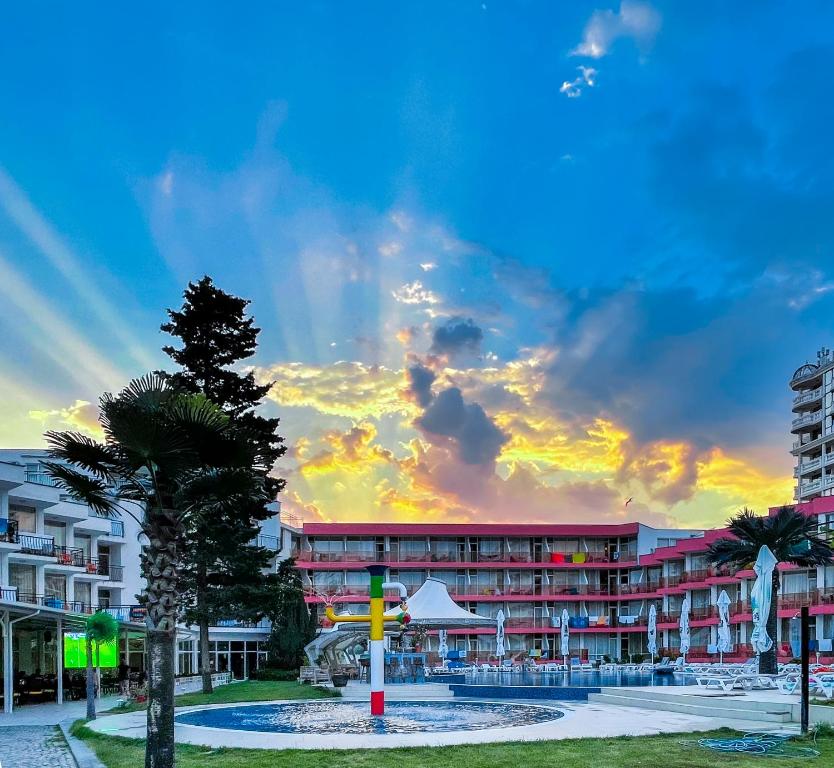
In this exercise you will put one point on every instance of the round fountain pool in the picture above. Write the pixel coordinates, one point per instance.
(352, 717)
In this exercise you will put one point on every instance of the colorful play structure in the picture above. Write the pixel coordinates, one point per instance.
(378, 620)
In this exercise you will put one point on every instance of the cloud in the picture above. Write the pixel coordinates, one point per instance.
(475, 437)
(573, 88)
(347, 389)
(455, 336)
(635, 20)
(428, 266)
(81, 416)
(415, 293)
(420, 378)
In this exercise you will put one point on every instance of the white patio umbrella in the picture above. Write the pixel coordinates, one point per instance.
(724, 641)
(683, 626)
(443, 646)
(652, 643)
(565, 634)
(499, 636)
(760, 597)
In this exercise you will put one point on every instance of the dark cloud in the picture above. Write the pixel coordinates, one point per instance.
(420, 379)
(456, 335)
(477, 439)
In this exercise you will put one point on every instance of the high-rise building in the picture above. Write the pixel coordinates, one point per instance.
(813, 425)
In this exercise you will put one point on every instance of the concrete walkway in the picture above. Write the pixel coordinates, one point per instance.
(580, 720)
(34, 746)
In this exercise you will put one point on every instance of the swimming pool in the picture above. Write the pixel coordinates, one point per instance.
(575, 679)
(352, 717)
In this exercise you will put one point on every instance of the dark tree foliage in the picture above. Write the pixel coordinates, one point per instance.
(223, 573)
(293, 624)
(792, 537)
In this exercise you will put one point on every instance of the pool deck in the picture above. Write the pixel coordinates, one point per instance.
(580, 720)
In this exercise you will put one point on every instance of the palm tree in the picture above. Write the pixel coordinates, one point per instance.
(100, 628)
(792, 537)
(159, 446)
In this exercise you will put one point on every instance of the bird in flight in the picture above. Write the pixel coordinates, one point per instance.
(628, 501)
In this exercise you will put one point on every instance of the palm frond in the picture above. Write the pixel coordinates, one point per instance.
(83, 487)
(734, 552)
(100, 459)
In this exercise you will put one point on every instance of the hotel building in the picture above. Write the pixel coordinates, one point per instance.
(813, 427)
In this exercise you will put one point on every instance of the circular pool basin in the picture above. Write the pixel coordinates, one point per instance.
(352, 717)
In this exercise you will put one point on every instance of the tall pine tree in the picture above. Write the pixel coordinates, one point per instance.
(293, 624)
(222, 572)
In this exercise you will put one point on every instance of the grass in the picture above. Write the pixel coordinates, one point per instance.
(252, 690)
(669, 751)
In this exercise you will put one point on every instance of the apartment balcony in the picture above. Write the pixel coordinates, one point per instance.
(809, 375)
(807, 397)
(808, 466)
(812, 445)
(30, 544)
(815, 486)
(69, 556)
(135, 614)
(806, 422)
(39, 477)
(576, 560)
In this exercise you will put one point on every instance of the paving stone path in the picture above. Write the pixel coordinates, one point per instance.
(28, 746)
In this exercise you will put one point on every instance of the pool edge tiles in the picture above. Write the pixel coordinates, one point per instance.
(539, 692)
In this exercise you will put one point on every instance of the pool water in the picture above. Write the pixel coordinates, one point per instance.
(589, 679)
(353, 717)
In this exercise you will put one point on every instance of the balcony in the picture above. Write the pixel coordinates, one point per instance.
(272, 543)
(117, 529)
(8, 530)
(39, 477)
(807, 466)
(135, 614)
(102, 567)
(30, 544)
(802, 423)
(69, 556)
(808, 396)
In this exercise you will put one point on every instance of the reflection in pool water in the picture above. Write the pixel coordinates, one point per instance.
(353, 717)
(577, 679)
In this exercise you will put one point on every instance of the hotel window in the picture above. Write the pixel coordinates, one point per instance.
(490, 549)
(362, 549)
(328, 549)
(56, 531)
(446, 550)
(22, 577)
(24, 517)
(84, 594)
(327, 581)
(55, 587)
(564, 546)
(84, 543)
(413, 550)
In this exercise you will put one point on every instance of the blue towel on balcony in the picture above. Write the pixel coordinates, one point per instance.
(4, 526)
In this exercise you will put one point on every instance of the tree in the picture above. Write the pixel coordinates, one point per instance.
(293, 624)
(100, 628)
(159, 448)
(223, 573)
(792, 537)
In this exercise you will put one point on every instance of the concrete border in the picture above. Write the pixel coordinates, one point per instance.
(84, 756)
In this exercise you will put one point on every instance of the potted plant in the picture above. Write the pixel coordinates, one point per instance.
(339, 679)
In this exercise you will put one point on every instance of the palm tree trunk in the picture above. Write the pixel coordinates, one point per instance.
(91, 683)
(767, 661)
(205, 658)
(160, 569)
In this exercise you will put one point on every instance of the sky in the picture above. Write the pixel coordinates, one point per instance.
(513, 261)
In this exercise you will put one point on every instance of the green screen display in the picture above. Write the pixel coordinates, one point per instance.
(75, 652)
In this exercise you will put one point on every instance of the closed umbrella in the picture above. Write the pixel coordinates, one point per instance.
(760, 597)
(499, 636)
(652, 644)
(442, 647)
(683, 626)
(724, 641)
(565, 634)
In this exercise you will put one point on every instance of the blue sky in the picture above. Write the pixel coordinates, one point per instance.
(630, 202)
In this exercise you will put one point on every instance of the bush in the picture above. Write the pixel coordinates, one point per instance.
(274, 675)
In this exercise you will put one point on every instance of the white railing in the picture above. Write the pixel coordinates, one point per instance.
(808, 418)
(195, 682)
(807, 397)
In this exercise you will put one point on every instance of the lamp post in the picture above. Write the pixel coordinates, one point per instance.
(804, 639)
(376, 617)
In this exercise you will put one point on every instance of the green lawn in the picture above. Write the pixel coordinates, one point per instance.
(253, 690)
(672, 751)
